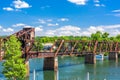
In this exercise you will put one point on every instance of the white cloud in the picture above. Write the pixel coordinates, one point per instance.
(116, 13)
(23, 25)
(77, 31)
(64, 31)
(69, 28)
(8, 9)
(50, 24)
(111, 26)
(28, 26)
(111, 29)
(38, 29)
(8, 30)
(19, 25)
(50, 33)
(0, 27)
(18, 4)
(118, 10)
(93, 29)
(78, 2)
(41, 21)
(99, 5)
(63, 19)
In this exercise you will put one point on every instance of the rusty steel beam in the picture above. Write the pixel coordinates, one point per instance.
(51, 49)
(116, 47)
(95, 47)
(73, 47)
(61, 43)
(0, 49)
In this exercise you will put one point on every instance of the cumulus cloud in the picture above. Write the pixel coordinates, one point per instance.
(50, 24)
(111, 29)
(111, 26)
(99, 5)
(8, 30)
(63, 19)
(17, 5)
(8, 9)
(93, 29)
(22, 25)
(41, 21)
(77, 31)
(19, 25)
(38, 29)
(78, 2)
(64, 31)
(20, 4)
(44, 21)
(0, 27)
(118, 10)
(69, 28)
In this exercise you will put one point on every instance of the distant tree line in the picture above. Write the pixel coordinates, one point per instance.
(94, 36)
(99, 36)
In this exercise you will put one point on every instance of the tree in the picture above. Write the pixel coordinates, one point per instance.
(96, 36)
(105, 36)
(14, 67)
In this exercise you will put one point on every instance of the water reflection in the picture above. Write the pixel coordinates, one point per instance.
(73, 68)
(50, 75)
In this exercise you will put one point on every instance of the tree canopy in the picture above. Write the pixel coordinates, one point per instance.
(14, 67)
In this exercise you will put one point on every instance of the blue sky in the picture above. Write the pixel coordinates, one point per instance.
(60, 17)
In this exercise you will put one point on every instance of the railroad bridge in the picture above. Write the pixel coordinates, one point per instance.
(62, 47)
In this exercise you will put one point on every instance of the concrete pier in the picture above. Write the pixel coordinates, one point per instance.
(113, 56)
(51, 75)
(51, 63)
(90, 58)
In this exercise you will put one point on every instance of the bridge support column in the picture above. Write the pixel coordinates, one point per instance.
(51, 63)
(113, 55)
(90, 58)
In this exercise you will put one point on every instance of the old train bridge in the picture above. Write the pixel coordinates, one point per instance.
(62, 47)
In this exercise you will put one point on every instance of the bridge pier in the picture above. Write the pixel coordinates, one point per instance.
(113, 56)
(90, 58)
(50, 63)
(51, 75)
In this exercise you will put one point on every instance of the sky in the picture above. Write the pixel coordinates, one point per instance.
(60, 17)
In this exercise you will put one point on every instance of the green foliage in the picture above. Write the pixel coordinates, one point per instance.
(105, 36)
(106, 54)
(96, 36)
(14, 67)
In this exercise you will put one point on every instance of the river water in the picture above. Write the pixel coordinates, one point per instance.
(73, 68)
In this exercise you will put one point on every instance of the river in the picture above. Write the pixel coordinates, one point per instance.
(73, 68)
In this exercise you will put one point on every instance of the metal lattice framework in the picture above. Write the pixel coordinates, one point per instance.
(60, 47)
(73, 47)
(26, 37)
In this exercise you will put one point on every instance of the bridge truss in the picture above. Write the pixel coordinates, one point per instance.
(60, 47)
